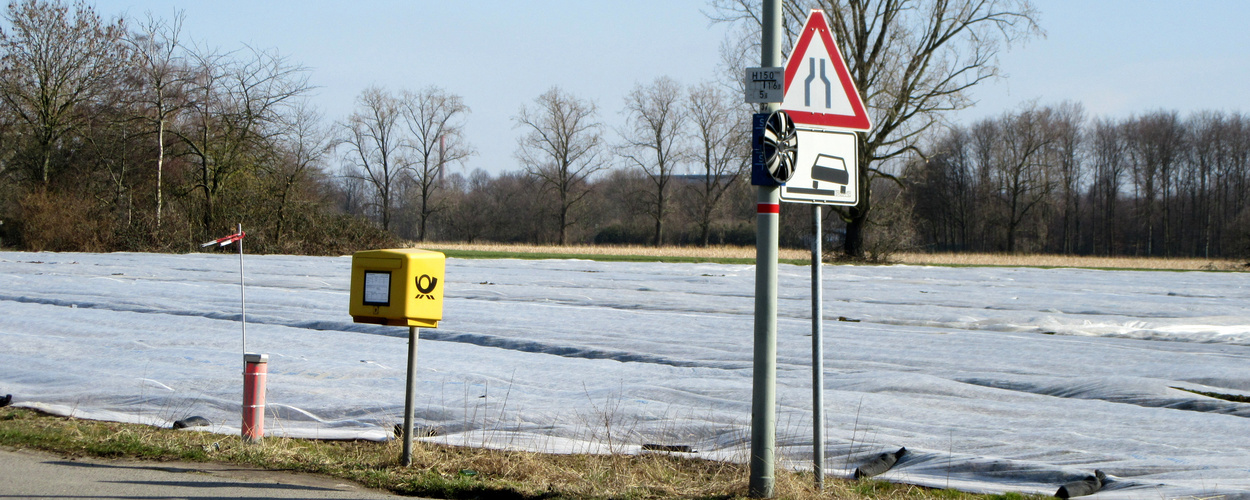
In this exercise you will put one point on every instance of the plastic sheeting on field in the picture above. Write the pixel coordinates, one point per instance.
(994, 379)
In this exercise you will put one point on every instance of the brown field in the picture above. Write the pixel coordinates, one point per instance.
(914, 258)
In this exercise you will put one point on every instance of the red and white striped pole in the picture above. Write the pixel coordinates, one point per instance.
(255, 366)
(256, 369)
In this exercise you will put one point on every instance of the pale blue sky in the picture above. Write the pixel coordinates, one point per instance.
(1116, 57)
(1130, 56)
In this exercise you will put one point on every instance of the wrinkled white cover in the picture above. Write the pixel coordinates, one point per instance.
(995, 379)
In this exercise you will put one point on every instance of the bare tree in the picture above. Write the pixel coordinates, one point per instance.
(233, 116)
(54, 64)
(943, 189)
(912, 61)
(1023, 175)
(655, 118)
(500, 208)
(435, 122)
(719, 149)
(562, 145)
(1069, 119)
(301, 151)
(373, 141)
(1232, 164)
(164, 74)
(473, 210)
(983, 137)
(1109, 167)
(1155, 144)
(108, 151)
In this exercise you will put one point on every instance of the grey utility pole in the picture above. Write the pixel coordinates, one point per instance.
(768, 208)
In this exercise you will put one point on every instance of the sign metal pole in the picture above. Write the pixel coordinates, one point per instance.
(242, 293)
(818, 354)
(826, 171)
(764, 375)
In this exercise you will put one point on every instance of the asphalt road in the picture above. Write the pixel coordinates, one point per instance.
(33, 474)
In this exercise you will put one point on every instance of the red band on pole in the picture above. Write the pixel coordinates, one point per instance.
(256, 368)
(768, 208)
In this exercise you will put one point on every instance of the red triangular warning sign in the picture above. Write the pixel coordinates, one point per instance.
(819, 90)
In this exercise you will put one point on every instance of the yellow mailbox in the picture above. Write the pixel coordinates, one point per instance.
(398, 287)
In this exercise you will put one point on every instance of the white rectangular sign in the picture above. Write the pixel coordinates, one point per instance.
(827, 171)
(764, 85)
(377, 288)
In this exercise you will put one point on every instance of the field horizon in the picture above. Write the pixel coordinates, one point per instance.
(729, 252)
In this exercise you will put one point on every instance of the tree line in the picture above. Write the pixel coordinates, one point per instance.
(1049, 179)
(121, 134)
(667, 180)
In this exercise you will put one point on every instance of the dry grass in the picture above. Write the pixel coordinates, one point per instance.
(715, 252)
(439, 471)
(915, 258)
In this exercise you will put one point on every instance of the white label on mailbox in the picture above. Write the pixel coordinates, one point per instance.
(378, 288)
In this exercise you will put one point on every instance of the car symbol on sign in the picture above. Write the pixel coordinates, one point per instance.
(831, 169)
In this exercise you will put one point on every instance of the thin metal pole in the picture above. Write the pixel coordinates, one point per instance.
(818, 355)
(409, 390)
(242, 293)
(764, 397)
(764, 374)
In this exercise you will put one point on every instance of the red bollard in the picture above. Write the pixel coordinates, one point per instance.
(256, 368)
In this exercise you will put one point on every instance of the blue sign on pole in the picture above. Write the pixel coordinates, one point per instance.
(759, 173)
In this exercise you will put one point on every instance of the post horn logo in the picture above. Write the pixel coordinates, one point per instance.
(425, 285)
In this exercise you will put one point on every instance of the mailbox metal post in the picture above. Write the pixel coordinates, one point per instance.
(410, 394)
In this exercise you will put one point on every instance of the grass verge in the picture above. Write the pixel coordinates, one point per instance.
(441, 471)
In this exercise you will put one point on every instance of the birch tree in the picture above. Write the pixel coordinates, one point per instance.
(163, 69)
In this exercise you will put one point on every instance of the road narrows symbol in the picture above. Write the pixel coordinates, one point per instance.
(807, 84)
